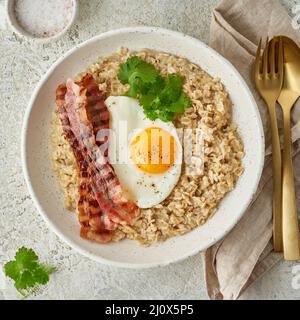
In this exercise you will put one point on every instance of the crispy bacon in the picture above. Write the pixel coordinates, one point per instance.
(102, 205)
(87, 205)
(101, 237)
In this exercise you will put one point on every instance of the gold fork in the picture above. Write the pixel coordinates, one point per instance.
(268, 74)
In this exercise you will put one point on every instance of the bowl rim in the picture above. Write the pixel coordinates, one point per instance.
(24, 132)
(23, 33)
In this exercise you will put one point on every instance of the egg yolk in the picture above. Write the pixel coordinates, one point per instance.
(154, 150)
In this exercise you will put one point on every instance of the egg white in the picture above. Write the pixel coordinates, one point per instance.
(145, 189)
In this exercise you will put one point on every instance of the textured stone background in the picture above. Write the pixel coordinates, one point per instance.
(22, 64)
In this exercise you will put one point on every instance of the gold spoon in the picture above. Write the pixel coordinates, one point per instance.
(289, 95)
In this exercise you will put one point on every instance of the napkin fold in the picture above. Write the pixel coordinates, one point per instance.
(236, 261)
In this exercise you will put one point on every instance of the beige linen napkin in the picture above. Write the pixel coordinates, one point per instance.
(235, 262)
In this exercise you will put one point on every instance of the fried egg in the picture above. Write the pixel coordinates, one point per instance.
(146, 155)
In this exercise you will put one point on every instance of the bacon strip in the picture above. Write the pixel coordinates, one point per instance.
(89, 213)
(101, 205)
(98, 115)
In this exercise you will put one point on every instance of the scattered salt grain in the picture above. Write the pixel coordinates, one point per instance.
(44, 18)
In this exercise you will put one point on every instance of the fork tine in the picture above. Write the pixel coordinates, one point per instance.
(258, 59)
(273, 56)
(281, 58)
(266, 58)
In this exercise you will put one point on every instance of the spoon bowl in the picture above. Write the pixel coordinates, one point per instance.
(291, 86)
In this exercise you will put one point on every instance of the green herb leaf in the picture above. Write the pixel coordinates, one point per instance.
(143, 71)
(173, 89)
(160, 98)
(128, 68)
(181, 104)
(147, 100)
(26, 271)
(136, 68)
(166, 116)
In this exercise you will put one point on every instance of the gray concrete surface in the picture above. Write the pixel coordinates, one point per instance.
(21, 66)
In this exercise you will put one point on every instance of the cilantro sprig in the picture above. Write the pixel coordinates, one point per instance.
(26, 271)
(160, 98)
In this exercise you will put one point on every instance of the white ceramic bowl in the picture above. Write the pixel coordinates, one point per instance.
(43, 184)
(15, 26)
